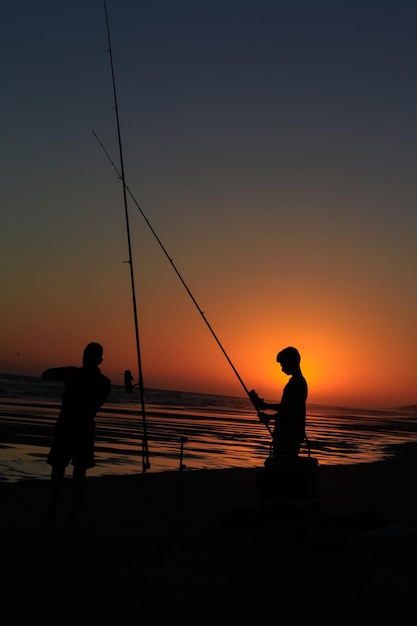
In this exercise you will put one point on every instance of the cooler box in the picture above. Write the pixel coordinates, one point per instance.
(296, 480)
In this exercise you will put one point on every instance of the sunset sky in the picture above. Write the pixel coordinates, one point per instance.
(271, 145)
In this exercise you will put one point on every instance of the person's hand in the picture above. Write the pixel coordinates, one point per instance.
(264, 418)
(257, 402)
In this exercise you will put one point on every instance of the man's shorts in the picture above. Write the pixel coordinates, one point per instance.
(72, 445)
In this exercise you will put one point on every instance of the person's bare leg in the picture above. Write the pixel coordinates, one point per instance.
(57, 474)
(78, 493)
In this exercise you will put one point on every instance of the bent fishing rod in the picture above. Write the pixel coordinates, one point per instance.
(145, 451)
(251, 394)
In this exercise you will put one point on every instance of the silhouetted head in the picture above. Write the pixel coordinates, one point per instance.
(93, 354)
(289, 358)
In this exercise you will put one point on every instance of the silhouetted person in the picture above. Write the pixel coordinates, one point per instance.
(86, 389)
(290, 414)
(128, 381)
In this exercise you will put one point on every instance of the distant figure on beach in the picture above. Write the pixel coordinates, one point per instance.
(128, 381)
(85, 390)
(290, 414)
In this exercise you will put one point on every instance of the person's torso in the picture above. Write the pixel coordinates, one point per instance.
(84, 393)
(292, 411)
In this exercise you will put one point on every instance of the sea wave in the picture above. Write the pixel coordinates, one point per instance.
(185, 429)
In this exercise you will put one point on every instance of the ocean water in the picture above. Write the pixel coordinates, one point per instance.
(185, 431)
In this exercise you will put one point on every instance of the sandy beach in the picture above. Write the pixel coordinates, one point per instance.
(198, 546)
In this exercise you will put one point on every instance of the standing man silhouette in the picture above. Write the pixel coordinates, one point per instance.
(86, 389)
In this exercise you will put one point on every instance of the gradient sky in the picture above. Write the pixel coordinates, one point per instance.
(271, 145)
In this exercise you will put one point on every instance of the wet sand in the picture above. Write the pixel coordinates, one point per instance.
(199, 546)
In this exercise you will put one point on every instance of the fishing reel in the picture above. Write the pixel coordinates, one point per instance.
(257, 402)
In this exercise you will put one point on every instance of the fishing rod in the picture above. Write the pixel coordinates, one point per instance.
(145, 451)
(251, 394)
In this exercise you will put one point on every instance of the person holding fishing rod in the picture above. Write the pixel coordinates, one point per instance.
(290, 414)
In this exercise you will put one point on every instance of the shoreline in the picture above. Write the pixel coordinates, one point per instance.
(380, 486)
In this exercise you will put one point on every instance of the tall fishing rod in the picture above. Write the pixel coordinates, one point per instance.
(145, 451)
(250, 394)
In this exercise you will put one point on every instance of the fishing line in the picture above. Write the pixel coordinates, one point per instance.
(249, 393)
(145, 451)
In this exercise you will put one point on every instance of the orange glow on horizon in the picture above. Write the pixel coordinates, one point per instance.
(174, 363)
(343, 357)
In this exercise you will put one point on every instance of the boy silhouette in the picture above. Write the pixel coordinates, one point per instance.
(290, 414)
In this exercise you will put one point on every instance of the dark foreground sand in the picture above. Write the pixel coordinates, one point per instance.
(196, 547)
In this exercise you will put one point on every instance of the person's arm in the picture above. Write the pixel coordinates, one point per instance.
(57, 373)
(270, 407)
(261, 405)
